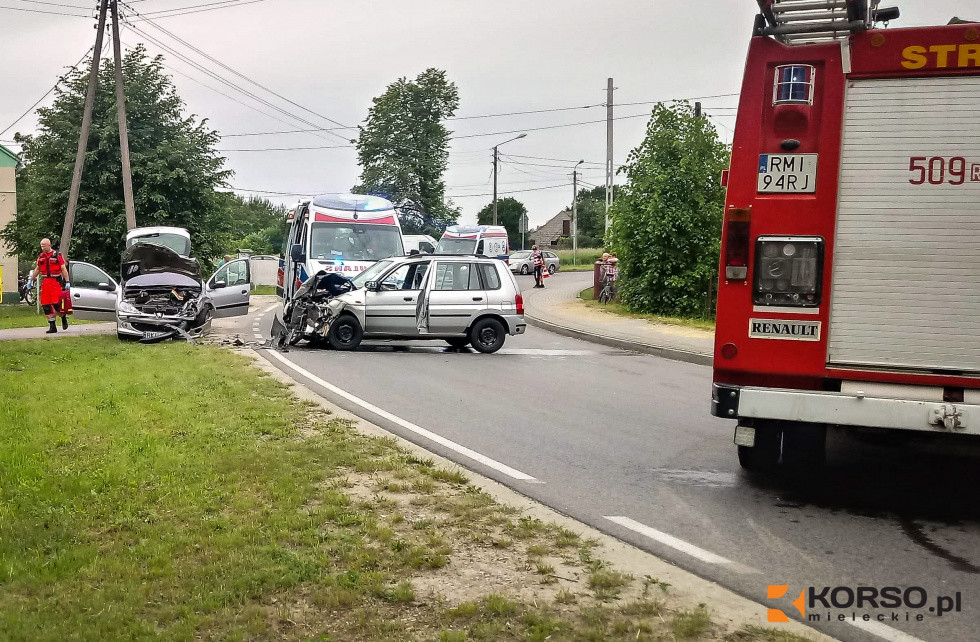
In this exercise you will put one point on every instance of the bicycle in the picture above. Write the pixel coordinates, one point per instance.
(608, 292)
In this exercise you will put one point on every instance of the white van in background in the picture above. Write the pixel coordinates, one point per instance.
(420, 243)
(342, 233)
(485, 240)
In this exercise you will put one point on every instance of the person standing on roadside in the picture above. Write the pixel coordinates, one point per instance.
(51, 276)
(537, 260)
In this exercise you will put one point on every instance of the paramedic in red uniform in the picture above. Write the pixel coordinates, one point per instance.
(51, 274)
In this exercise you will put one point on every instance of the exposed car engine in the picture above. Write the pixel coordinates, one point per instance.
(307, 315)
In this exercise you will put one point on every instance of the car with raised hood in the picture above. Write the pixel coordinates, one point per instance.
(161, 294)
(463, 300)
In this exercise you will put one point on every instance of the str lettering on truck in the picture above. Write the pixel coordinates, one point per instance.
(941, 56)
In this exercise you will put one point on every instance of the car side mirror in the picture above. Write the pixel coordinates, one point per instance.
(218, 284)
(297, 254)
(372, 286)
(106, 287)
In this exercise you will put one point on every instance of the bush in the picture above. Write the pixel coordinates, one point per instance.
(666, 224)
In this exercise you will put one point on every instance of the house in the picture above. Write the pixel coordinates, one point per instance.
(549, 233)
(8, 212)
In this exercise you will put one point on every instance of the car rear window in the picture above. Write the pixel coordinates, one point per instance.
(491, 279)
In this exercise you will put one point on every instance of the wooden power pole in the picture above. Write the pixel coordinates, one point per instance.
(76, 179)
(127, 174)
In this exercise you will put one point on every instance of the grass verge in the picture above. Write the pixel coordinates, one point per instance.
(189, 496)
(585, 258)
(263, 289)
(26, 316)
(620, 310)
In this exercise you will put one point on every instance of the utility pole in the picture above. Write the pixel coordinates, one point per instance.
(697, 110)
(127, 175)
(494, 184)
(495, 174)
(609, 148)
(76, 179)
(575, 213)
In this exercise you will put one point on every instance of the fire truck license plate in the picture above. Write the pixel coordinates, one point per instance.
(788, 173)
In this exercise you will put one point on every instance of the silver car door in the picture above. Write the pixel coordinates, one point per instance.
(230, 288)
(456, 297)
(393, 308)
(422, 315)
(93, 292)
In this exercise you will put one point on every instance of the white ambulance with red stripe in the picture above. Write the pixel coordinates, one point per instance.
(341, 233)
(485, 240)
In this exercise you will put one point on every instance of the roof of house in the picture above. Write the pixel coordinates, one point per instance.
(8, 158)
(552, 229)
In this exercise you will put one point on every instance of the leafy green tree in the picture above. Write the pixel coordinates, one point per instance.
(666, 222)
(255, 223)
(509, 213)
(592, 215)
(403, 150)
(175, 167)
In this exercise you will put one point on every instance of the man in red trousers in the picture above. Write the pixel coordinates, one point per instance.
(52, 275)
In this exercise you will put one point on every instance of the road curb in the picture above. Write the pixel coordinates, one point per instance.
(674, 354)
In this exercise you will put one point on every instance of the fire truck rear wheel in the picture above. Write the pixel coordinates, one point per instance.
(764, 455)
(804, 446)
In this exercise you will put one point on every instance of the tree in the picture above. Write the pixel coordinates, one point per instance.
(592, 215)
(666, 224)
(255, 223)
(509, 213)
(175, 167)
(403, 150)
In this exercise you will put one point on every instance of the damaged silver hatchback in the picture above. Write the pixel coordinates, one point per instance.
(161, 294)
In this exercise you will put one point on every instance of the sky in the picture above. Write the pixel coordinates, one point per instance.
(327, 59)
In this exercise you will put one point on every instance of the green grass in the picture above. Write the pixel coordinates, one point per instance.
(620, 310)
(192, 496)
(585, 258)
(263, 289)
(27, 316)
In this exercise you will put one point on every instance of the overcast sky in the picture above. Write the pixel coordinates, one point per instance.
(332, 57)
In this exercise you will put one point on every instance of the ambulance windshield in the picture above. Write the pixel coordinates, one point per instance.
(354, 242)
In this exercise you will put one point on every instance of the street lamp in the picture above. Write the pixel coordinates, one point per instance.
(575, 212)
(495, 174)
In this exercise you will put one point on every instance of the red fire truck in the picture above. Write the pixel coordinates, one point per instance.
(848, 293)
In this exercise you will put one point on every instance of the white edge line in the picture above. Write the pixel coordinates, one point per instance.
(270, 308)
(671, 541)
(442, 441)
(883, 631)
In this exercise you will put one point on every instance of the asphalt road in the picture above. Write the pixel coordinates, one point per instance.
(600, 433)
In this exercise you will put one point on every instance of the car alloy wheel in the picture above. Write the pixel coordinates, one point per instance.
(524, 270)
(552, 268)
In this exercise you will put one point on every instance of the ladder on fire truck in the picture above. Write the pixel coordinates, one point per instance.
(796, 22)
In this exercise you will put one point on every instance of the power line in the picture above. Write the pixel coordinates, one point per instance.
(246, 78)
(54, 4)
(514, 191)
(50, 13)
(46, 94)
(184, 13)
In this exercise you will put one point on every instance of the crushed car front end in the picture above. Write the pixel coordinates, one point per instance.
(162, 296)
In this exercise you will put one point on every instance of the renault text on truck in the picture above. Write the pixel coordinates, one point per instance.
(344, 234)
(851, 241)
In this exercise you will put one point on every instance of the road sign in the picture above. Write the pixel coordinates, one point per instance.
(522, 224)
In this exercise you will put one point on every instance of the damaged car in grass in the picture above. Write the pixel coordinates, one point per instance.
(161, 294)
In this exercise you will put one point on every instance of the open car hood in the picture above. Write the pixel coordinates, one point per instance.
(148, 258)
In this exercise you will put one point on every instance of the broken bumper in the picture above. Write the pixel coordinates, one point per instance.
(843, 409)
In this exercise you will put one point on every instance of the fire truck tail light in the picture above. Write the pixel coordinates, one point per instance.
(788, 271)
(737, 243)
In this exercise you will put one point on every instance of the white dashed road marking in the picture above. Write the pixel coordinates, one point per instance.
(678, 544)
(418, 430)
(883, 631)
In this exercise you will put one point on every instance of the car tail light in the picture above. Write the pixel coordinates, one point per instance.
(788, 271)
(737, 243)
(519, 302)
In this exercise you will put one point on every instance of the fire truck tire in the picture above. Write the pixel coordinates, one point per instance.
(804, 446)
(764, 455)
